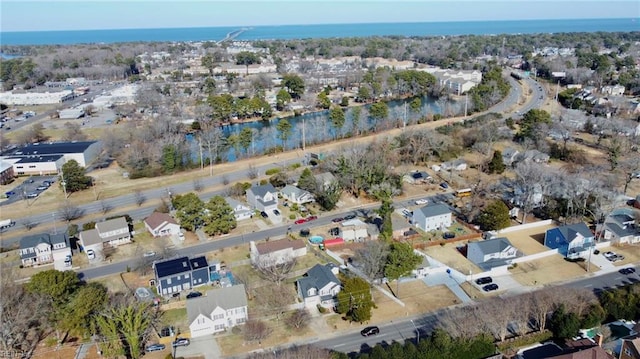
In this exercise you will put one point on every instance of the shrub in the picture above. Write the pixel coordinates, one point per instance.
(295, 166)
(321, 309)
(236, 330)
(525, 340)
(263, 182)
(271, 171)
(292, 216)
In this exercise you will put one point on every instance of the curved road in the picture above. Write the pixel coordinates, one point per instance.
(510, 102)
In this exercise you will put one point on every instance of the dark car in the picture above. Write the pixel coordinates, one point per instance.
(448, 235)
(175, 295)
(490, 287)
(370, 331)
(336, 220)
(276, 212)
(349, 217)
(264, 214)
(181, 342)
(627, 271)
(484, 280)
(9, 193)
(155, 348)
(444, 185)
(194, 295)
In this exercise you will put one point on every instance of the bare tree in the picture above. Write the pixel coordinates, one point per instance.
(372, 258)
(298, 319)
(543, 303)
(256, 331)
(630, 167)
(295, 352)
(273, 300)
(252, 172)
(521, 317)
(197, 185)
(22, 317)
(139, 197)
(529, 180)
(68, 211)
(274, 269)
(73, 132)
(581, 300)
(498, 314)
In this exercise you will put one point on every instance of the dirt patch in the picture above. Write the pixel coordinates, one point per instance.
(450, 256)
(529, 241)
(547, 270)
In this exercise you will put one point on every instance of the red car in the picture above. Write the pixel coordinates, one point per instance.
(301, 221)
(311, 218)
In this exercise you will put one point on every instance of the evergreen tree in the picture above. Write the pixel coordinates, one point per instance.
(493, 217)
(219, 217)
(73, 177)
(307, 181)
(354, 300)
(496, 165)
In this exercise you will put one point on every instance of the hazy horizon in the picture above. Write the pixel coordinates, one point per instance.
(71, 15)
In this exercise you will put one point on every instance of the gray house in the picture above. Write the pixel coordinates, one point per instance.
(178, 274)
(296, 195)
(44, 248)
(319, 286)
(263, 198)
(620, 226)
(491, 253)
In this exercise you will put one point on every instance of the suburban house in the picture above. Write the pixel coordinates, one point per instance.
(276, 252)
(432, 217)
(217, 310)
(324, 179)
(533, 156)
(630, 348)
(354, 230)
(620, 226)
(44, 248)
(509, 156)
(416, 177)
(319, 286)
(572, 240)
(491, 252)
(296, 195)
(263, 198)
(455, 165)
(110, 233)
(161, 224)
(178, 274)
(240, 210)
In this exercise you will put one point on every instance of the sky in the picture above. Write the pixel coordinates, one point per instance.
(30, 15)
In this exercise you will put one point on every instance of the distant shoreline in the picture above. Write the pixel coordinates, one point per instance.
(289, 32)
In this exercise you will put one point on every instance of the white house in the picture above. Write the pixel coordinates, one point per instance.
(161, 224)
(111, 233)
(432, 217)
(296, 195)
(240, 210)
(263, 198)
(276, 252)
(353, 230)
(319, 286)
(491, 252)
(217, 310)
(456, 165)
(44, 248)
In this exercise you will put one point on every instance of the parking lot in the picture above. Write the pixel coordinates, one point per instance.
(29, 189)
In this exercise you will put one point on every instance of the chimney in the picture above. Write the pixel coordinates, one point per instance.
(598, 339)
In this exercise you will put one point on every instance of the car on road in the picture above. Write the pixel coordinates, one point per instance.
(154, 348)
(312, 218)
(149, 254)
(33, 195)
(484, 280)
(369, 331)
(350, 217)
(194, 295)
(300, 221)
(9, 193)
(337, 220)
(490, 287)
(276, 212)
(181, 342)
(627, 271)
(422, 201)
(41, 188)
(264, 214)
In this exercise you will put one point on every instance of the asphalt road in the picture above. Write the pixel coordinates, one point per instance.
(403, 329)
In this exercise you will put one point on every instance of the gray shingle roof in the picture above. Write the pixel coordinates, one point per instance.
(90, 237)
(225, 298)
(569, 231)
(317, 277)
(112, 225)
(261, 191)
(434, 210)
(494, 245)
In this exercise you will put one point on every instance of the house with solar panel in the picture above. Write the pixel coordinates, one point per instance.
(180, 274)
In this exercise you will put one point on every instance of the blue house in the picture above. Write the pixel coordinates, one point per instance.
(572, 241)
(178, 274)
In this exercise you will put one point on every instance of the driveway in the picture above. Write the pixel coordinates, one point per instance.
(205, 346)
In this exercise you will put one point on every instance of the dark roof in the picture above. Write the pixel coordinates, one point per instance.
(57, 148)
(199, 262)
(33, 240)
(32, 159)
(172, 267)
(158, 218)
(569, 231)
(317, 277)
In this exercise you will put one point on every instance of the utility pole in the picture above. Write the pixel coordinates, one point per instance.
(466, 102)
(404, 122)
(304, 143)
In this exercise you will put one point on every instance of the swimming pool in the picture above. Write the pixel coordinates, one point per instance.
(316, 239)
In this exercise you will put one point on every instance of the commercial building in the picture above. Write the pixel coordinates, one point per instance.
(48, 158)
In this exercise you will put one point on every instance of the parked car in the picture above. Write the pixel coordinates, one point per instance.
(337, 220)
(490, 287)
(155, 348)
(47, 183)
(33, 195)
(350, 217)
(422, 201)
(627, 271)
(181, 342)
(91, 254)
(276, 212)
(67, 261)
(448, 235)
(444, 185)
(300, 221)
(9, 193)
(370, 331)
(484, 280)
(41, 188)
(406, 213)
(312, 218)
(194, 295)
(264, 214)
(609, 255)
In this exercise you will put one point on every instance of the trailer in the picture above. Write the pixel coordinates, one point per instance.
(6, 223)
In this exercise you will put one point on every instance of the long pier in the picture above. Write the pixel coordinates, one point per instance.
(233, 34)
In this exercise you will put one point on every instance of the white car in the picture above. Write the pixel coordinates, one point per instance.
(91, 254)
(422, 201)
(67, 261)
(149, 254)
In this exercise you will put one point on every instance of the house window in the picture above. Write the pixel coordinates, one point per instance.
(627, 351)
(186, 276)
(219, 327)
(201, 320)
(168, 280)
(218, 316)
(241, 320)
